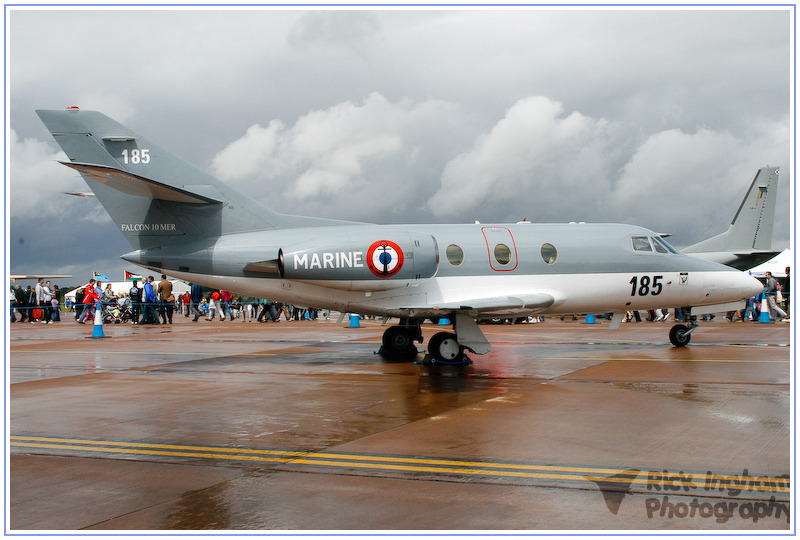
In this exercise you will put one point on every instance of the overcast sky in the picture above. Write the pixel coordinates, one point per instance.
(655, 117)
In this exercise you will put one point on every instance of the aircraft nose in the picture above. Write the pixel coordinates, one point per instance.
(732, 286)
(737, 286)
(751, 285)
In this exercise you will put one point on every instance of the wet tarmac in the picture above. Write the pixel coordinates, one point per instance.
(301, 426)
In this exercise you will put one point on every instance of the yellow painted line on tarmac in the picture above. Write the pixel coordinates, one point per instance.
(297, 454)
(399, 463)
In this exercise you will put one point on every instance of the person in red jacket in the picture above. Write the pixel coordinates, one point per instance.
(225, 304)
(90, 299)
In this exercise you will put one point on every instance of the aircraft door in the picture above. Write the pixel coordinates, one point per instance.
(502, 249)
(425, 256)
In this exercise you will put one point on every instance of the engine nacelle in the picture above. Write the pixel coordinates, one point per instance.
(362, 261)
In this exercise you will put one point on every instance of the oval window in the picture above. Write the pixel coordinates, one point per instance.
(549, 253)
(502, 254)
(455, 255)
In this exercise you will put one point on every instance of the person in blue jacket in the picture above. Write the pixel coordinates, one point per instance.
(149, 315)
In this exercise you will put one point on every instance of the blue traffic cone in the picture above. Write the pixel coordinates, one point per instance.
(355, 321)
(764, 317)
(590, 320)
(97, 332)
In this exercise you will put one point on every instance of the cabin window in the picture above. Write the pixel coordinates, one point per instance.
(641, 243)
(454, 254)
(502, 254)
(549, 253)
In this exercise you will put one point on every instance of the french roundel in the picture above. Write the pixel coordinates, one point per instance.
(384, 258)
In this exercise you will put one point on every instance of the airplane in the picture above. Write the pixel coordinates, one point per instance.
(183, 222)
(15, 277)
(748, 240)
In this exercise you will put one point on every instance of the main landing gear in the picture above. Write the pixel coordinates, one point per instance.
(681, 334)
(443, 347)
(399, 340)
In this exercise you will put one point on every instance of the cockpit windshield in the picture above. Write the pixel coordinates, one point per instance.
(659, 242)
(651, 244)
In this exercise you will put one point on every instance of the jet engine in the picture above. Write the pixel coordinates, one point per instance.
(362, 261)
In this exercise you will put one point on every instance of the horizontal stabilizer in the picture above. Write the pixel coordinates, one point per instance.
(132, 184)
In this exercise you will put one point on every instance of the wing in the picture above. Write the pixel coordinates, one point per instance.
(516, 304)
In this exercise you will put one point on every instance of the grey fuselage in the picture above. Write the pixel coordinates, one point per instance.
(582, 267)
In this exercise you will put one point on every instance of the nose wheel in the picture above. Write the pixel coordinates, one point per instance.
(681, 334)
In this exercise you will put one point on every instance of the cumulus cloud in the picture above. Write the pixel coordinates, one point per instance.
(254, 153)
(686, 182)
(367, 159)
(384, 161)
(533, 163)
(38, 179)
(544, 164)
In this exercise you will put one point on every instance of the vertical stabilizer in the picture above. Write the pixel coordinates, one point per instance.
(751, 228)
(153, 196)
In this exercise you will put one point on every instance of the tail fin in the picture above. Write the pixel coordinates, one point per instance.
(751, 228)
(153, 196)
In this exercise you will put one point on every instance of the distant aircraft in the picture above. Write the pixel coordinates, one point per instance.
(183, 222)
(38, 276)
(748, 240)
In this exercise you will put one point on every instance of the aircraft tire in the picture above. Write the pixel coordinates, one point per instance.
(444, 347)
(678, 335)
(397, 339)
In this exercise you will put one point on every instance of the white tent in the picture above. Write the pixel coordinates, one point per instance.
(776, 266)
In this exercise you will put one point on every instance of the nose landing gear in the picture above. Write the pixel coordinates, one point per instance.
(681, 334)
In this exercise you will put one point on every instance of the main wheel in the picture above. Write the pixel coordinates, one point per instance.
(679, 335)
(444, 347)
(397, 339)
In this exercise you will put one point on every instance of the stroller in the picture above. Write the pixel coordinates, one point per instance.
(113, 313)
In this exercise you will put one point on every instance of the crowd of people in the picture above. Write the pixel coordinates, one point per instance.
(150, 303)
(39, 303)
(222, 305)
